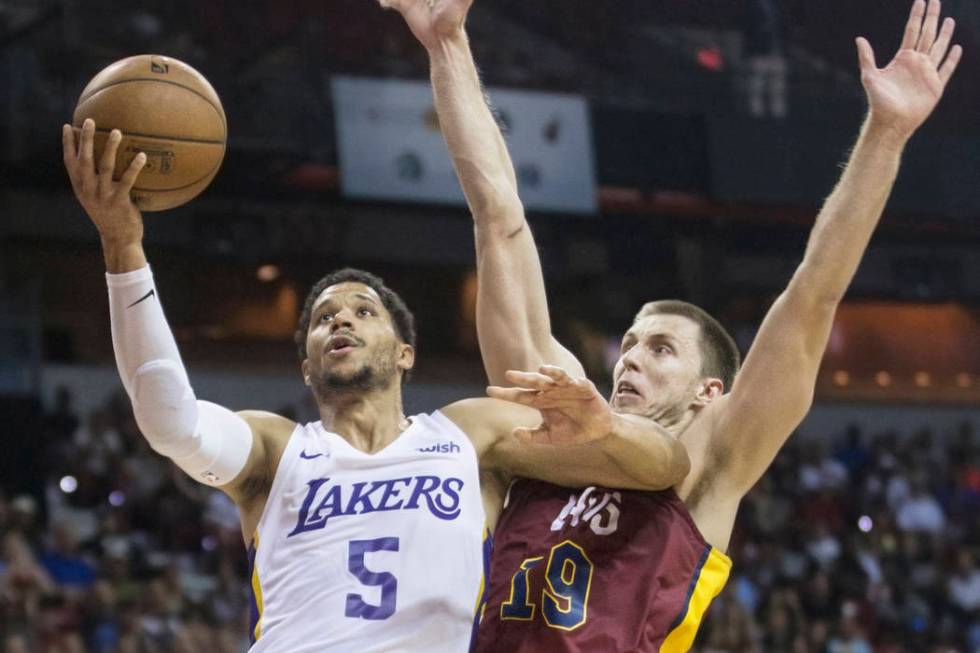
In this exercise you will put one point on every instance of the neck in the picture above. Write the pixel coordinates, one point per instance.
(369, 421)
(676, 423)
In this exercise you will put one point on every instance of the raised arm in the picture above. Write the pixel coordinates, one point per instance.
(211, 444)
(774, 389)
(559, 429)
(512, 310)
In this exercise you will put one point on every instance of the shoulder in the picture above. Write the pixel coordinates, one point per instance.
(265, 424)
(270, 435)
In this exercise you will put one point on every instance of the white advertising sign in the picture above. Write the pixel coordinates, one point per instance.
(390, 146)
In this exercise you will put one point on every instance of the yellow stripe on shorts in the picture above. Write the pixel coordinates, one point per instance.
(707, 583)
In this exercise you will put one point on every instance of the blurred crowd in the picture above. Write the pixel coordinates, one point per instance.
(122, 553)
(868, 543)
(858, 543)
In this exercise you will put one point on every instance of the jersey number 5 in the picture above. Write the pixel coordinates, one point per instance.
(356, 606)
(565, 597)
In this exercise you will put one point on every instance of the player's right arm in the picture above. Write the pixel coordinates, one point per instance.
(210, 443)
(513, 324)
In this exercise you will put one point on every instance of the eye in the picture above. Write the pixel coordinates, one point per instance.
(627, 344)
(326, 317)
(663, 349)
(363, 311)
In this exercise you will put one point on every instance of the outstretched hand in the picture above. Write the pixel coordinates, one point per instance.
(432, 21)
(903, 94)
(572, 410)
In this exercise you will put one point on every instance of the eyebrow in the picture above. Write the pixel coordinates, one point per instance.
(629, 335)
(358, 295)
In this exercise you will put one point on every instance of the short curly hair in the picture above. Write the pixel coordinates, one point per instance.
(402, 317)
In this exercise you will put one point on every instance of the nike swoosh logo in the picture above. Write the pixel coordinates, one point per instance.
(306, 456)
(144, 297)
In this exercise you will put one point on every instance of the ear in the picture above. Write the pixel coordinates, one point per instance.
(406, 357)
(709, 390)
(305, 368)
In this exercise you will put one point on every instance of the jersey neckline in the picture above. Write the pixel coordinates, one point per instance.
(336, 437)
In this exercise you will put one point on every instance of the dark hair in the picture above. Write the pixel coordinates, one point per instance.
(719, 353)
(402, 317)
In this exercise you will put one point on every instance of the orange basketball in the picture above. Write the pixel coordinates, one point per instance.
(166, 109)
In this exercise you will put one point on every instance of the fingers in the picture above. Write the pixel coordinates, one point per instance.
(132, 172)
(524, 397)
(538, 435)
(949, 66)
(941, 45)
(929, 27)
(68, 143)
(107, 164)
(866, 55)
(571, 390)
(70, 154)
(529, 379)
(86, 169)
(914, 26)
(554, 372)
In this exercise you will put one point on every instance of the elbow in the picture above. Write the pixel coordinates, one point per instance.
(164, 407)
(674, 467)
(497, 211)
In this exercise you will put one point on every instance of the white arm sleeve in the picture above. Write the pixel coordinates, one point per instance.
(209, 442)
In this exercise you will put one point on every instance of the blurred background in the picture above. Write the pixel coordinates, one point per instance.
(664, 148)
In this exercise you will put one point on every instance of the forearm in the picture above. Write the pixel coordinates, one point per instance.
(207, 441)
(849, 216)
(644, 452)
(513, 324)
(476, 145)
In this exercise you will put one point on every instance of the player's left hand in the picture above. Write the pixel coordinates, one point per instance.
(572, 410)
(903, 94)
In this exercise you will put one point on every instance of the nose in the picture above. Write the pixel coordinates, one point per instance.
(629, 359)
(342, 320)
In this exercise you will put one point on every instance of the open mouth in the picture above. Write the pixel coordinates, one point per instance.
(341, 345)
(625, 389)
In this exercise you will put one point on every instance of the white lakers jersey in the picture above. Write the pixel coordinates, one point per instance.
(382, 552)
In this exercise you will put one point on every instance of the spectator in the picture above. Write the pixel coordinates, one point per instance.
(964, 586)
(920, 511)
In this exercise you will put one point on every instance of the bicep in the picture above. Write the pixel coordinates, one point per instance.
(513, 324)
(774, 389)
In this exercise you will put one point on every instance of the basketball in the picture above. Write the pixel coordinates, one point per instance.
(168, 110)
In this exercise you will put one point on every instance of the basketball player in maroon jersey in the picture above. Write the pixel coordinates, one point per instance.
(599, 570)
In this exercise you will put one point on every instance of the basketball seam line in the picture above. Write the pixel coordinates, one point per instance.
(164, 138)
(221, 112)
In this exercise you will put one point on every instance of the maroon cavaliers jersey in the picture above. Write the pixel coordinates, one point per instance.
(597, 570)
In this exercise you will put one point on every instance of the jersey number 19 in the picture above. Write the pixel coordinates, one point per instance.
(565, 597)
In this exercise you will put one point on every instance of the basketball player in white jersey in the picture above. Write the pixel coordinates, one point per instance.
(367, 528)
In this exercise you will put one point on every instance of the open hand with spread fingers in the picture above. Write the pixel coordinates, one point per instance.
(432, 21)
(572, 410)
(903, 94)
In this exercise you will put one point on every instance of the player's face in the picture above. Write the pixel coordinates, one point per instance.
(659, 368)
(352, 343)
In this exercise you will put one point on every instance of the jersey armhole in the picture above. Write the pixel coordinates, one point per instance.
(286, 461)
